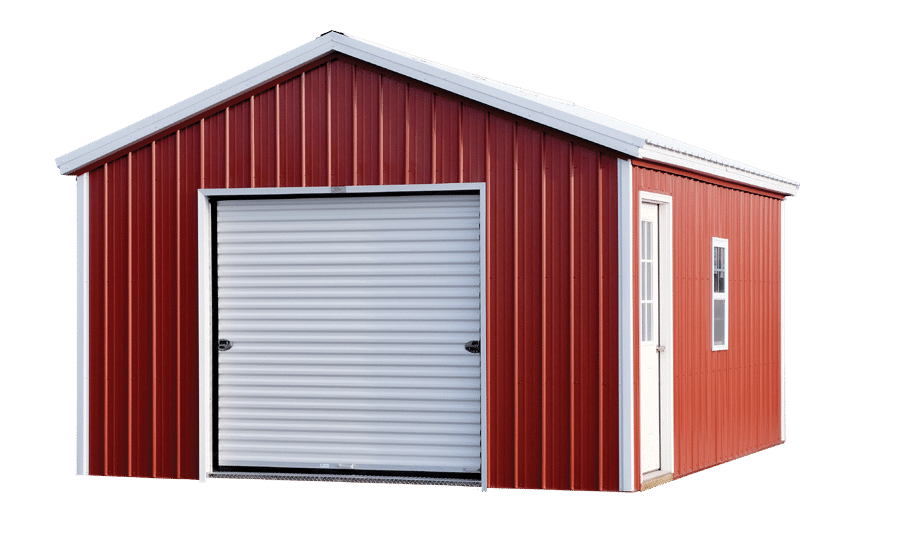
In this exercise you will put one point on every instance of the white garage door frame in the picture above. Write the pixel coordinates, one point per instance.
(206, 301)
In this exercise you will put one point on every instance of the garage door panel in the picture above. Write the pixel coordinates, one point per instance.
(320, 270)
(367, 358)
(271, 238)
(329, 222)
(350, 320)
(347, 319)
(348, 381)
(353, 437)
(374, 370)
(388, 310)
(338, 303)
(349, 461)
(346, 281)
(450, 340)
(350, 404)
(341, 428)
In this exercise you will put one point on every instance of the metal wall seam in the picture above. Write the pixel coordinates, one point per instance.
(83, 362)
(625, 325)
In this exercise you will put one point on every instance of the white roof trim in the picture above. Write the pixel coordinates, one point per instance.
(563, 116)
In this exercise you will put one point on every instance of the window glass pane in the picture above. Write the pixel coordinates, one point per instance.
(643, 294)
(718, 323)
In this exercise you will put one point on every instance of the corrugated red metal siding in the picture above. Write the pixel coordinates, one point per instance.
(551, 262)
(726, 403)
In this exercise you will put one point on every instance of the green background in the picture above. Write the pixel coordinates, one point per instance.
(810, 92)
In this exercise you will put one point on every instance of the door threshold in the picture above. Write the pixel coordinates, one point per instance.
(656, 480)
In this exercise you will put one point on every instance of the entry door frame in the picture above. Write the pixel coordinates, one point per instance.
(666, 329)
(206, 200)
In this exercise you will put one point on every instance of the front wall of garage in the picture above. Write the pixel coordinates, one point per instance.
(551, 262)
(727, 404)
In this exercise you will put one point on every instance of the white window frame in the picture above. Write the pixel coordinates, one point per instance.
(720, 296)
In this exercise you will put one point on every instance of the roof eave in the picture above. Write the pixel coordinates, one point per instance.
(765, 181)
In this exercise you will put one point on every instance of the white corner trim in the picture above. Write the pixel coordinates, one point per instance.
(715, 166)
(666, 323)
(205, 336)
(83, 259)
(783, 277)
(625, 325)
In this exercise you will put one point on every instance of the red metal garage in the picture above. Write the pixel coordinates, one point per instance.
(625, 287)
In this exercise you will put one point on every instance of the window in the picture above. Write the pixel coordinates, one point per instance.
(719, 293)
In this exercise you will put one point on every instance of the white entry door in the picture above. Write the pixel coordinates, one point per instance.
(348, 333)
(650, 340)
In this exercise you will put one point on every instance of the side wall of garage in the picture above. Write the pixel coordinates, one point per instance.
(727, 403)
(551, 262)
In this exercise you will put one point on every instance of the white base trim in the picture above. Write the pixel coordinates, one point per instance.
(625, 325)
(82, 341)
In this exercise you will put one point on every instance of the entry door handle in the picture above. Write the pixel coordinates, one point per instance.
(660, 348)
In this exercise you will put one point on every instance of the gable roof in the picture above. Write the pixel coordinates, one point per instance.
(564, 116)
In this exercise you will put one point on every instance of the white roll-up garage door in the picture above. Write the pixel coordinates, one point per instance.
(346, 320)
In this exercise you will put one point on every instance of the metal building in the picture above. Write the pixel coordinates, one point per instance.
(348, 263)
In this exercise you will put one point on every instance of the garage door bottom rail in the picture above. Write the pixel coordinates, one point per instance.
(378, 477)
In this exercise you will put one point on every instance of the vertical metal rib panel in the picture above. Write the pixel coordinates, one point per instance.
(191, 175)
(556, 314)
(528, 309)
(367, 127)
(140, 301)
(316, 127)
(165, 291)
(349, 318)
(341, 122)
(393, 122)
(239, 145)
(291, 132)
(446, 138)
(607, 205)
(265, 139)
(584, 407)
(344, 122)
(500, 302)
(726, 403)
(97, 398)
(117, 317)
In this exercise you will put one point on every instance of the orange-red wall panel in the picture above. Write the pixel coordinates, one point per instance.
(726, 403)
